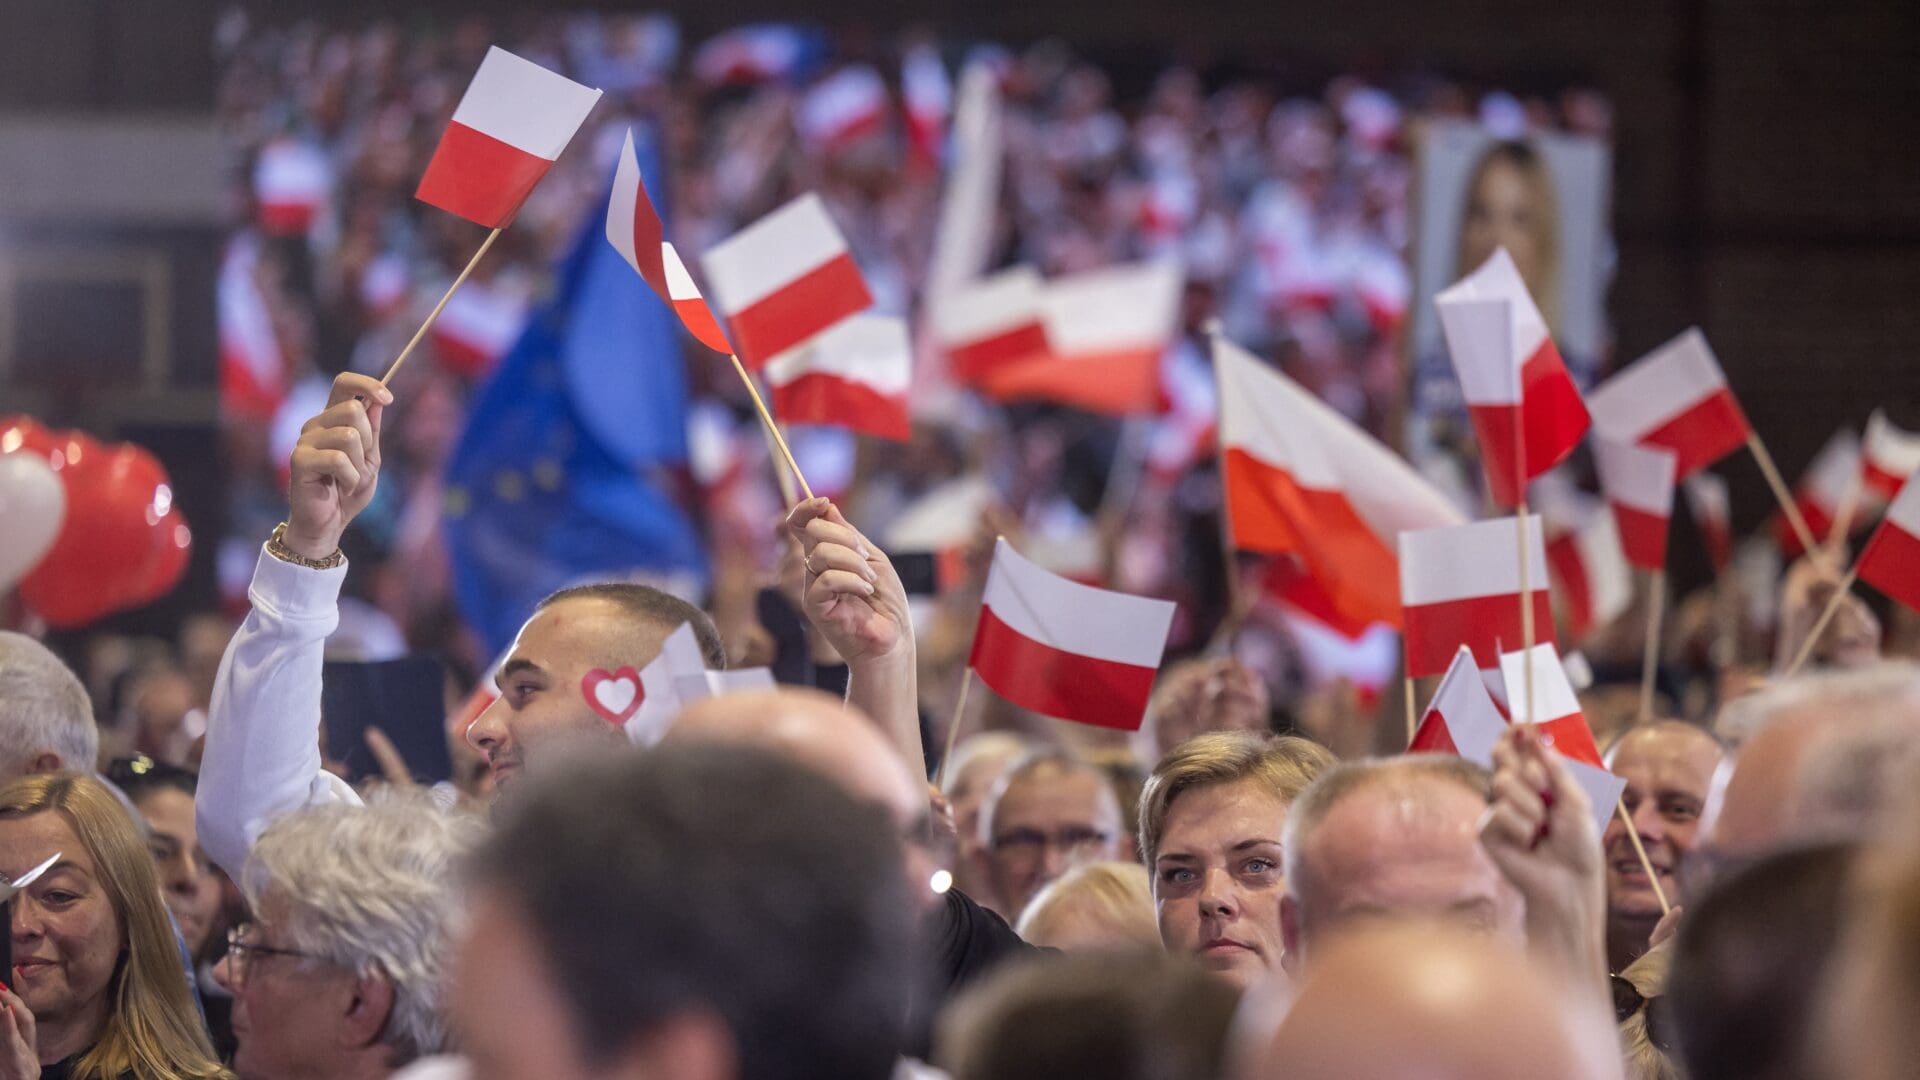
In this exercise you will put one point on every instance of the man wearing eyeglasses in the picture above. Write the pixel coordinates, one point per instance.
(1048, 814)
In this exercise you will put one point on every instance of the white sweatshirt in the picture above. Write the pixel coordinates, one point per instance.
(262, 757)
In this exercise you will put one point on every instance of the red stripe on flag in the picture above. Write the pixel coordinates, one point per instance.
(1121, 383)
(1563, 555)
(649, 232)
(1881, 482)
(1643, 536)
(1485, 624)
(800, 309)
(1891, 563)
(1571, 736)
(1703, 434)
(975, 360)
(1056, 683)
(478, 177)
(1556, 416)
(287, 218)
(1494, 426)
(698, 318)
(1269, 512)
(1819, 523)
(818, 398)
(1433, 737)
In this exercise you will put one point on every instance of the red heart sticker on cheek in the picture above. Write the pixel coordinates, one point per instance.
(614, 695)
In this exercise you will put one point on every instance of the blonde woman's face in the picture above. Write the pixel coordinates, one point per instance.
(1217, 879)
(66, 936)
(1502, 212)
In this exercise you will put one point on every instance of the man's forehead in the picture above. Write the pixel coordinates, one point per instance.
(590, 628)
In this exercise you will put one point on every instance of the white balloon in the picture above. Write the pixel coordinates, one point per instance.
(33, 503)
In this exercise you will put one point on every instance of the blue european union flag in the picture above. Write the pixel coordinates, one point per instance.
(565, 469)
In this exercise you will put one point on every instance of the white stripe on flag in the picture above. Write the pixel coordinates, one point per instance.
(1121, 307)
(1480, 343)
(680, 284)
(1640, 477)
(1707, 498)
(772, 253)
(1657, 387)
(1462, 562)
(988, 307)
(1075, 618)
(1890, 449)
(1905, 511)
(1496, 279)
(875, 350)
(1473, 721)
(620, 206)
(524, 105)
(1833, 471)
(1553, 696)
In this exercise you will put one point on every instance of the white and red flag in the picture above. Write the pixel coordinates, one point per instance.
(1890, 456)
(784, 279)
(1713, 515)
(1462, 719)
(476, 328)
(988, 324)
(854, 376)
(842, 109)
(253, 367)
(1831, 478)
(1106, 333)
(512, 123)
(1302, 480)
(1067, 650)
(1589, 565)
(1638, 482)
(927, 92)
(1460, 585)
(292, 181)
(1891, 561)
(635, 230)
(1677, 398)
(1525, 408)
(1563, 725)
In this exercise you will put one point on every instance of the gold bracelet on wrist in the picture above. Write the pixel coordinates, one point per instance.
(277, 547)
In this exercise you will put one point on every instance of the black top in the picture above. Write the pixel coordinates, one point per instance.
(962, 941)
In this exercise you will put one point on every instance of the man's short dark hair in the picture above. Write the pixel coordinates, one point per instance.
(704, 876)
(658, 609)
(1746, 983)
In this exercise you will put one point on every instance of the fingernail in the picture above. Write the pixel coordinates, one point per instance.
(862, 551)
(869, 587)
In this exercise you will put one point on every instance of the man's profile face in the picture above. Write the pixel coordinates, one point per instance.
(542, 705)
(1402, 850)
(1048, 820)
(1668, 770)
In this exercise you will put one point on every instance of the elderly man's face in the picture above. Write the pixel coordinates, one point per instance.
(287, 1009)
(1668, 769)
(1047, 820)
(542, 703)
(1401, 849)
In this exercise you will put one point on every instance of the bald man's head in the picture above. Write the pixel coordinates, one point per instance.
(832, 738)
(1422, 999)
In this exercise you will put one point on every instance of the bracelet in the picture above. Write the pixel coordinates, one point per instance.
(277, 547)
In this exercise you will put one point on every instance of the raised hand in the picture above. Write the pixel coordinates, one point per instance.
(852, 594)
(20, 1057)
(1540, 832)
(336, 465)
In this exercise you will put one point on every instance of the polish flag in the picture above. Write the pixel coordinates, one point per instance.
(991, 323)
(1675, 397)
(1462, 719)
(637, 233)
(292, 180)
(1638, 482)
(1712, 515)
(1106, 333)
(1827, 484)
(1891, 561)
(1589, 564)
(1067, 650)
(854, 376)
(928, 93)
(763, 52)
(253, 369)
(1891, 455)
(659, 687)
(1302, 480)
(513, 122)
(476, 328)
(842, 109)
(784, 279)
(1511, 375)
(1562, 723)
(1460, 585)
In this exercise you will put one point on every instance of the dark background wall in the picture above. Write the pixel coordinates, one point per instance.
(1768, 186)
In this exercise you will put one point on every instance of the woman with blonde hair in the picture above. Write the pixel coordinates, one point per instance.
(1098, 907)
(97, 991)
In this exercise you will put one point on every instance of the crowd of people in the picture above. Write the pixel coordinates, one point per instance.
(773, 887)
(836, 877)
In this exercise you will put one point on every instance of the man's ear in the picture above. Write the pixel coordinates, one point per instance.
(368, 1011)
(693, 1044)
(1290, 934)
(45, 763)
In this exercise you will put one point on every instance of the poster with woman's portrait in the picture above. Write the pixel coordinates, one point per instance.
(1546, 199)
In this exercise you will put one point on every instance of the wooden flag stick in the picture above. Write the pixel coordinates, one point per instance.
(766, 420)
(1526, 608)
(784, 477)
(1413, 718)
(953, 730)
(435, 313)
(1820, 624)
(1650, 664)
(1787, 506)
(1639, 849)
